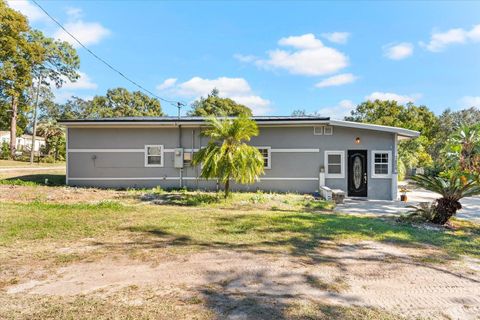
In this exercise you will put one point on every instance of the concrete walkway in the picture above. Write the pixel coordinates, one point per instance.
(470, 210)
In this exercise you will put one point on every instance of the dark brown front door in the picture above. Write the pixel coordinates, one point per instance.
(357, 173)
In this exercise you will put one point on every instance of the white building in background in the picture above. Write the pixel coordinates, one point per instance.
(24, 142)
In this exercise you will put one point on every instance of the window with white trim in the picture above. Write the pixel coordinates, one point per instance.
(334, 164)
(381, 164)
(267, 156)
(154, 156)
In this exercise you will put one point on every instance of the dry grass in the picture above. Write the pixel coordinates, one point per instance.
(44, 229)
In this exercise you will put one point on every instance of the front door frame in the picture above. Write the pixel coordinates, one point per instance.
(364, 193)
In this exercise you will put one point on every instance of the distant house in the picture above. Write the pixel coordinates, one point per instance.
(301, 154)
(24, 142)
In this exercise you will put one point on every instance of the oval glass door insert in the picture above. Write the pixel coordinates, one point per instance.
(357, 172)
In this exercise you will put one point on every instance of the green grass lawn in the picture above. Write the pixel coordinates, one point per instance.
(15, 163)
(203, 227)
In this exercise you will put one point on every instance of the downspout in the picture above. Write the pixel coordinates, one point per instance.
(180, 145)
(395, 168)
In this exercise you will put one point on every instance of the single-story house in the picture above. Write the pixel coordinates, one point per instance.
(24, 142)
(302, 154)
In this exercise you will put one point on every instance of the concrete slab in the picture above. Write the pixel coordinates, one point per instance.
(470, 210)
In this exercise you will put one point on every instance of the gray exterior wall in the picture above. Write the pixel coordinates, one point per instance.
(89, 163)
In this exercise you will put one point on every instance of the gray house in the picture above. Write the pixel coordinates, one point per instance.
(302, 154)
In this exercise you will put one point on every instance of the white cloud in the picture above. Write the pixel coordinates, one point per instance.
(70, 89)
(440, 40)
(469, 101)
(398, 51)
(32, 12)
(308, 57)
(237, 89)
(339, 111)
(168, 83)
(74, 13)
(82, 83)
(392, 96)
(244, 58)
(337, 37)
(86, 32)
(306, 41)
(337, 80)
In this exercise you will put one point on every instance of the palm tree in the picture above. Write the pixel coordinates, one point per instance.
(451, 190)
(53, 134)
(227, 156)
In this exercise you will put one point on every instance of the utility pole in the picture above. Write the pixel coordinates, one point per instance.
(179, 106)
(34, 129)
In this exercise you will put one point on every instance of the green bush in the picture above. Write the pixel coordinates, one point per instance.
(5, 151)
(424, 212)
(402, 170)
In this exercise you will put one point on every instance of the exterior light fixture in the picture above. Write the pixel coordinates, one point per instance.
(357, 140)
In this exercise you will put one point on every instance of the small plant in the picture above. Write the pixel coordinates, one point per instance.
(157, 190)
(423, 212)
(259, 197)
(5, 151)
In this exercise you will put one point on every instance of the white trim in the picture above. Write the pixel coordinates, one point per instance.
(289, 178)
(400, 131)
(185, 178)
(395, 168)
(320, 132)
(269, 156)
(184, 150)
(161, 155)
(389, 164)
(107, 150)
(328, 133)
(294, 150)
(340, 175)
(66, 156)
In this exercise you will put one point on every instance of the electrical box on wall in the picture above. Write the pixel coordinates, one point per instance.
(178, 158)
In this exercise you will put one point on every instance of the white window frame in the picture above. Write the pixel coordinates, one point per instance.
(389, 164)
(320, 130)
(161, 155)
(269, 156)
(340, 175)
(328, 133)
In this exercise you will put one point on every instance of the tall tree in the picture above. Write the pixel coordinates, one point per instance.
(120, 102)
(214, 105)
(59, 63)
(450, 122)
(227, 155)
(390, 113)
(17, 56)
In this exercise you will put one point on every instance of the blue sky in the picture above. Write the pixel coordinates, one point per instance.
(277, 56)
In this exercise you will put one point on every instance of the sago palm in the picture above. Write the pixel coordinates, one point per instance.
(451, 190)
(227, 155)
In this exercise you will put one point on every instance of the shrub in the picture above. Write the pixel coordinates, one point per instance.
(452, 190)
(424, 212)
(5, 151)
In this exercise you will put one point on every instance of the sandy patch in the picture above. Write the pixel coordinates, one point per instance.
(364, 274)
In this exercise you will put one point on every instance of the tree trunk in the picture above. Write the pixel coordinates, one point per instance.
(227, 188)
(34, 126)
(13, 127)
(445, 209)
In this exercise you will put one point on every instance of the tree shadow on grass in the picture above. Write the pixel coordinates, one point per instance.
(51, 180)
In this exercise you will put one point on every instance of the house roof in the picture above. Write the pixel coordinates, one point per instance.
(261, 120)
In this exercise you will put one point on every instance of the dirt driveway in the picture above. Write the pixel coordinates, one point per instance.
(247, 285)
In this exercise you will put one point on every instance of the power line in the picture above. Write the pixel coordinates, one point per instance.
(173, 103)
